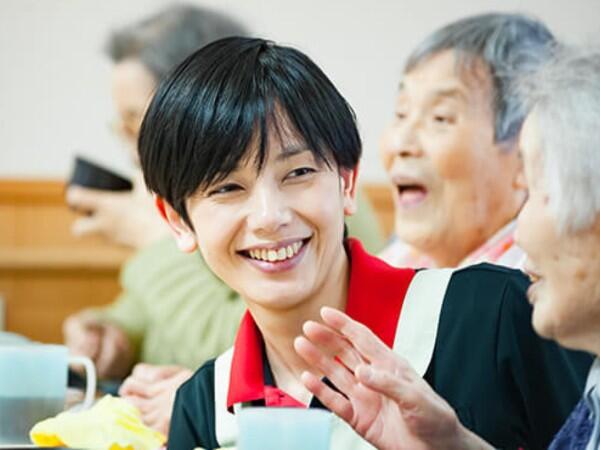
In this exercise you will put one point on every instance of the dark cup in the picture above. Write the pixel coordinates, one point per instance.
(91, 175)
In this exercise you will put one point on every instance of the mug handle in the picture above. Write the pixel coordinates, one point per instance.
(90, 380)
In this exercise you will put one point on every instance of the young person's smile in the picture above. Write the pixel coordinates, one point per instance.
(268, 233)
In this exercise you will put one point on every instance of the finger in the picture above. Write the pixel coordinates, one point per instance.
(339, 375)
(361, 337)
(135, 387)
(82, 198)
(84, 226)
(334, 401)
(403, 391)
(333, 343)
(142, 404)
(152, 373)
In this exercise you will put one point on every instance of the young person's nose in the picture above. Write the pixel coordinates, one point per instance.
(268, 211)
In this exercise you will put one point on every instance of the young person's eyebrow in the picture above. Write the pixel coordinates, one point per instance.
(291, 151)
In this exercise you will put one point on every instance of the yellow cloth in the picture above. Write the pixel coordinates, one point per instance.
(111, 424)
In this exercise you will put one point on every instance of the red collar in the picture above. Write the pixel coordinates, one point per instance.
(375, 295)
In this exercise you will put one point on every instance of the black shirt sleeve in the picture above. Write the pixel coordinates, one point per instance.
(193, 418)
(506, 384)
(548, 378)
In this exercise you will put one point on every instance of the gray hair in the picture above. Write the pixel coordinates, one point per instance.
(509, 44)
(165, 39)
(565, 96)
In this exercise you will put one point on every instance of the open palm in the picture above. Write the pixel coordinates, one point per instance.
(378, 393)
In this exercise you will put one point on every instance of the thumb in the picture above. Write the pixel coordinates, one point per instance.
(84, 199)
(86, 225)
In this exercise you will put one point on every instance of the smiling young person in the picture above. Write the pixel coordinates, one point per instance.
(253, 156)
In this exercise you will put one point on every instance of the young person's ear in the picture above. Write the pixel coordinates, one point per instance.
(349, 189)
(184, 236)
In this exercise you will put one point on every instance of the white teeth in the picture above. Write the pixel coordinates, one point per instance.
(280, 254)
(272, 255)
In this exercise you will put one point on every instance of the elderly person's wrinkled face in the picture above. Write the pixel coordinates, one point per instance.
(564, 267)
(453, 185)
(132, 88)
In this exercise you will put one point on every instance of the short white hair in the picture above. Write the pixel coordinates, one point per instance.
(565, 96)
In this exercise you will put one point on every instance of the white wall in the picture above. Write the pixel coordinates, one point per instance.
(54, 79)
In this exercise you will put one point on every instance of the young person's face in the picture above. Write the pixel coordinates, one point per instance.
(276, 235)
(564, 267)
(452, 182)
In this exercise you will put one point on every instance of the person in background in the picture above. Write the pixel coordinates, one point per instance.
(162, 290)
(450, 151)
(172, 313)
(559, 228)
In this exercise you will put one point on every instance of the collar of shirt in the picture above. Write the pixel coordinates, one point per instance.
(375, 295)
(499, 249)
(592, 398)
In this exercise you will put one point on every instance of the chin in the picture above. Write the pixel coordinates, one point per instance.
(414, 233)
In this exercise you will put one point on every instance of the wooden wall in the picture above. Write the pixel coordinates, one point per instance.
(45, 273)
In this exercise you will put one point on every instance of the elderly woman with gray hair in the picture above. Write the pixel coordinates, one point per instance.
(559, 229)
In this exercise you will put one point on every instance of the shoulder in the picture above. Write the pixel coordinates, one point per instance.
(484, 293)
(486, 276)
(199, 389)
(495, 284)
(193, 413)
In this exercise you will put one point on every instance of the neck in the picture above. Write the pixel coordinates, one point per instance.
(279, 327)
(452, 251)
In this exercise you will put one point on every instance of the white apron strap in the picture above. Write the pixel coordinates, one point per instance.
(225, 424)
(419, 318)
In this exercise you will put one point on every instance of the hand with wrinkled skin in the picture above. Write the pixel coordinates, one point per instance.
(152, 390)
(384, 399)
(105, 344)
(127, 218)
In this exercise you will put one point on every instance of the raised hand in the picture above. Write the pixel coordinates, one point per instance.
(127, 218)
(380, 396)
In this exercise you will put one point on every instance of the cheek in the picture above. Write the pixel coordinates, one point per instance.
(386, 148)
(527, 236)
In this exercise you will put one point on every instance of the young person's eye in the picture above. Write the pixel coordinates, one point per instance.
(300, 172)
(224, 189)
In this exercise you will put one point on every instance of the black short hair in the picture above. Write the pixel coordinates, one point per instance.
(204, 117)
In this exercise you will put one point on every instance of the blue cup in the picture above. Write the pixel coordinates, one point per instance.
(33, 387)
(283, 428)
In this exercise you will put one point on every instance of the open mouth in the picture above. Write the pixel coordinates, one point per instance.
(411, 194)
(276, 254)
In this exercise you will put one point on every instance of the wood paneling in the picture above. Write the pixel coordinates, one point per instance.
(46, 273)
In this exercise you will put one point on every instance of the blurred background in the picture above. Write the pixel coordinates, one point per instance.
(55, 102)
(55, 80)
